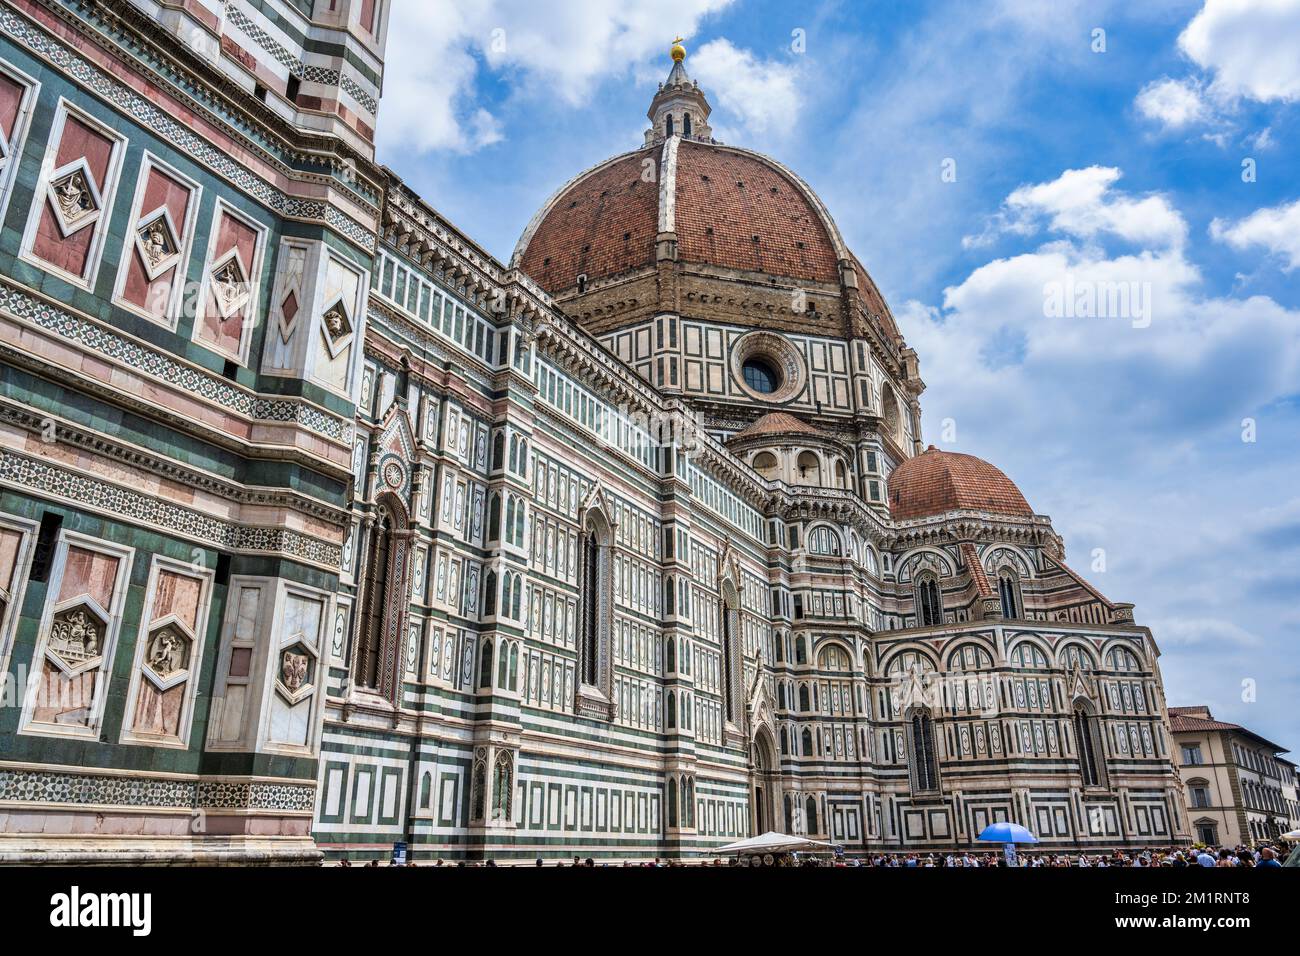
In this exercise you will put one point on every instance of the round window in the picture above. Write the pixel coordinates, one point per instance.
(761, 376)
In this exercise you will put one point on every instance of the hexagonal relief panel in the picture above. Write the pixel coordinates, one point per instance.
(167, 653)
(294, 681)
(78, 631)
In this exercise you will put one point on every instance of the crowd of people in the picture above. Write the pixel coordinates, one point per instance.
(1263, 855)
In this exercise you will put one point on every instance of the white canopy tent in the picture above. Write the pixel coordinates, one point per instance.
(771, 842)
(1293, 835)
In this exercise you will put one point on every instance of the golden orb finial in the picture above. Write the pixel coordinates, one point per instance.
(678, 51)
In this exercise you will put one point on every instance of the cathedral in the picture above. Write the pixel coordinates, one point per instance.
(325, 532)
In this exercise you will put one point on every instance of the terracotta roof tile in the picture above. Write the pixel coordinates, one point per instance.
(972, 559)
(604, 224)
(776, 423)
(937, 481)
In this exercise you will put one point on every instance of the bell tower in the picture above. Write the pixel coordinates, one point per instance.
(680, 107)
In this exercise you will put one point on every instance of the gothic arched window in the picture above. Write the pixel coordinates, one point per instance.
(670, 124)
(595, 629)
(1087, 742)
(810, 814)
(686, 124)
(1009, 592)
(502, 792)
(384, 598)
(728, 633)
(925, 761)
(929, 601)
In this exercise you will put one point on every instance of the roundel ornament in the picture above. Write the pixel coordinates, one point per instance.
(393, 474)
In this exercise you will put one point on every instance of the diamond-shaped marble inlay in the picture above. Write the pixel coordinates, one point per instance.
(157, 243)
(230, 285)
(74, 197)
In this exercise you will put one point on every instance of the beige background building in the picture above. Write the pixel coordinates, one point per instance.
(1237, 788)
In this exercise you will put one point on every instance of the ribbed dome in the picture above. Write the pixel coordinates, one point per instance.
(729, 208)
(938, 481)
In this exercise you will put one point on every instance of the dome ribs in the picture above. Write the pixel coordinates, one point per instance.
(604, 224)
(725, 198)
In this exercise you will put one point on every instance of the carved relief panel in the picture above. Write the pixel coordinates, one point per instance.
(169, 651)
(228, 306)
(74, 196)
(78, 635)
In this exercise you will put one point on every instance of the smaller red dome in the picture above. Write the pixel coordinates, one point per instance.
(937, 481)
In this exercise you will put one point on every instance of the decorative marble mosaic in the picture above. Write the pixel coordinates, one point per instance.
(311, 74)
(179, 135)
(43, 786)
(162, 366)
(44, 478)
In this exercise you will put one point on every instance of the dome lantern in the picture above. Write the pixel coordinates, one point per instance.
(679, 107)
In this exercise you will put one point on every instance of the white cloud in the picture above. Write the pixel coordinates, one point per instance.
(1196, 632)
(764, 94)
(1082, 204)
(563, 49)
(1130, 437)
(1174, 104)
(1250, 47)
(1274, 228)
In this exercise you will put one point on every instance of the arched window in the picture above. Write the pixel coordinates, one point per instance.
(670, 124)
(841, 474)
(808, 743)
(810, 814)
(803, 698)
(824, 540)
(686, 124)
(925, 761)
(426, 788)
(789, 814)
(670, 655)
(1088, 742)
(890, 416)
(383, 603)
(929, 601)
(1009, 592)
(800, 650)
(485, 665)
(672, 801)
(478, 786)
(730, 611)
(672, 710)
(494, 518)
(1028, 654)
(595, 669)
(808, 468)
(766, 464)
(490, 594)
(1121, 659)
(501, 787)
(498, 451)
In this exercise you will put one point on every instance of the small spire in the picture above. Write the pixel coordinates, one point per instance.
(679, 107)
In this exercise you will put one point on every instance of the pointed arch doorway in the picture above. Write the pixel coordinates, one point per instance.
(765, 784)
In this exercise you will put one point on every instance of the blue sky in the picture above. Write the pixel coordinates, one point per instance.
(1073, 164)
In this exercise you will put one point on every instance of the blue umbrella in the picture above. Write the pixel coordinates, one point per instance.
(1006, 833)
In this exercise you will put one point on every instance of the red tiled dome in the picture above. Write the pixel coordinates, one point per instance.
(731, 208)
(937, 481)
